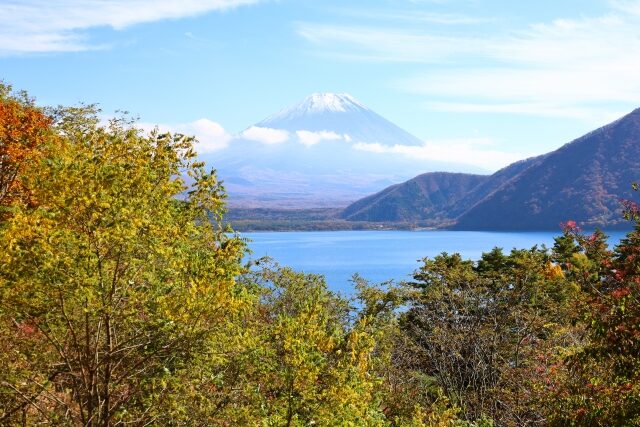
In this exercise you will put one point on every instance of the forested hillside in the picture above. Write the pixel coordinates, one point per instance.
(583, 180)
(425, 196)
(124, 301)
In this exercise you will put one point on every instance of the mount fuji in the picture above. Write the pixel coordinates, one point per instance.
(326, 151)
(343, 115)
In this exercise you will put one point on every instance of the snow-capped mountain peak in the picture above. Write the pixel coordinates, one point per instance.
(339, 113)
(337, 102)
(317, 104)
(313, 153)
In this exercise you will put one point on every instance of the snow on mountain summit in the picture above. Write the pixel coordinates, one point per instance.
(339, 113)
(319, 103)
(332, 102)
(337, 102)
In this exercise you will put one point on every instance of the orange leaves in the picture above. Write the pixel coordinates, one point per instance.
(553, 271)
(23, 130)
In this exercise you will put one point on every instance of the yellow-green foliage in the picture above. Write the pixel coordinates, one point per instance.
(115, 279)
(123, 301)
(120, 300)
(311, 366)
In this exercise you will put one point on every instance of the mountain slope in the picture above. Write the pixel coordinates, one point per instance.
(341, 114)
(489, 186)
(437, 196)
(582, 181)
(425, 196)
(311, 155)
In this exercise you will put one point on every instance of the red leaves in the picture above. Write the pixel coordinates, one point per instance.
(626, 387)
(570, 226)
(621, 292)
(27, 328)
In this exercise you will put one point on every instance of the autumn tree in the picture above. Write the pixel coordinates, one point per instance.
(24, 128)
(118, 280)
(321, 359)
(310, 362)
(481, 332)
(601, 382)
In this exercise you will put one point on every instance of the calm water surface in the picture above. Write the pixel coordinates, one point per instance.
(382, 255)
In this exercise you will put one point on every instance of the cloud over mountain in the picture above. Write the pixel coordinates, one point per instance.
(211, 136)
(265, 135)
(310, 138)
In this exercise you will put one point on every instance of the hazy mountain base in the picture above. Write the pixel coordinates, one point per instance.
(263, 219)
(325, 151)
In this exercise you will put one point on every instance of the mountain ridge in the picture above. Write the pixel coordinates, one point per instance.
(583, 180)
(435, 190)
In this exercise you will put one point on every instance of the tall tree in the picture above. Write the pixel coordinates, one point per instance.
(116, 280)
(601, 385)
(312, 363)
(480, 332)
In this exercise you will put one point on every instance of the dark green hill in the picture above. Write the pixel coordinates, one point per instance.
(425, 196)
(489, 186)
(582, 181)
(436, 196)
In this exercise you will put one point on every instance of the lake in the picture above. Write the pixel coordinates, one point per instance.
(382, 255)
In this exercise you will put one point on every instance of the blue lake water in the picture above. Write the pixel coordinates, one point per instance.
(382, 255)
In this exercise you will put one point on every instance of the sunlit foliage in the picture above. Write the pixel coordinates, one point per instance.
(115, 279)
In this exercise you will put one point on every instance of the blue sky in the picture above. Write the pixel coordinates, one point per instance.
(484, 82)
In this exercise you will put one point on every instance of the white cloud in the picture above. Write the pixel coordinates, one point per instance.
(309, 138)
(562, 40)
(57, 25)
(583, 68)
(265, 135)
(413, 16)
(628, 6)
(389, 45)
(473, 151)
(211, 136)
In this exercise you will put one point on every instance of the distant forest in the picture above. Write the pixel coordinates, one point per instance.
(124, 300)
